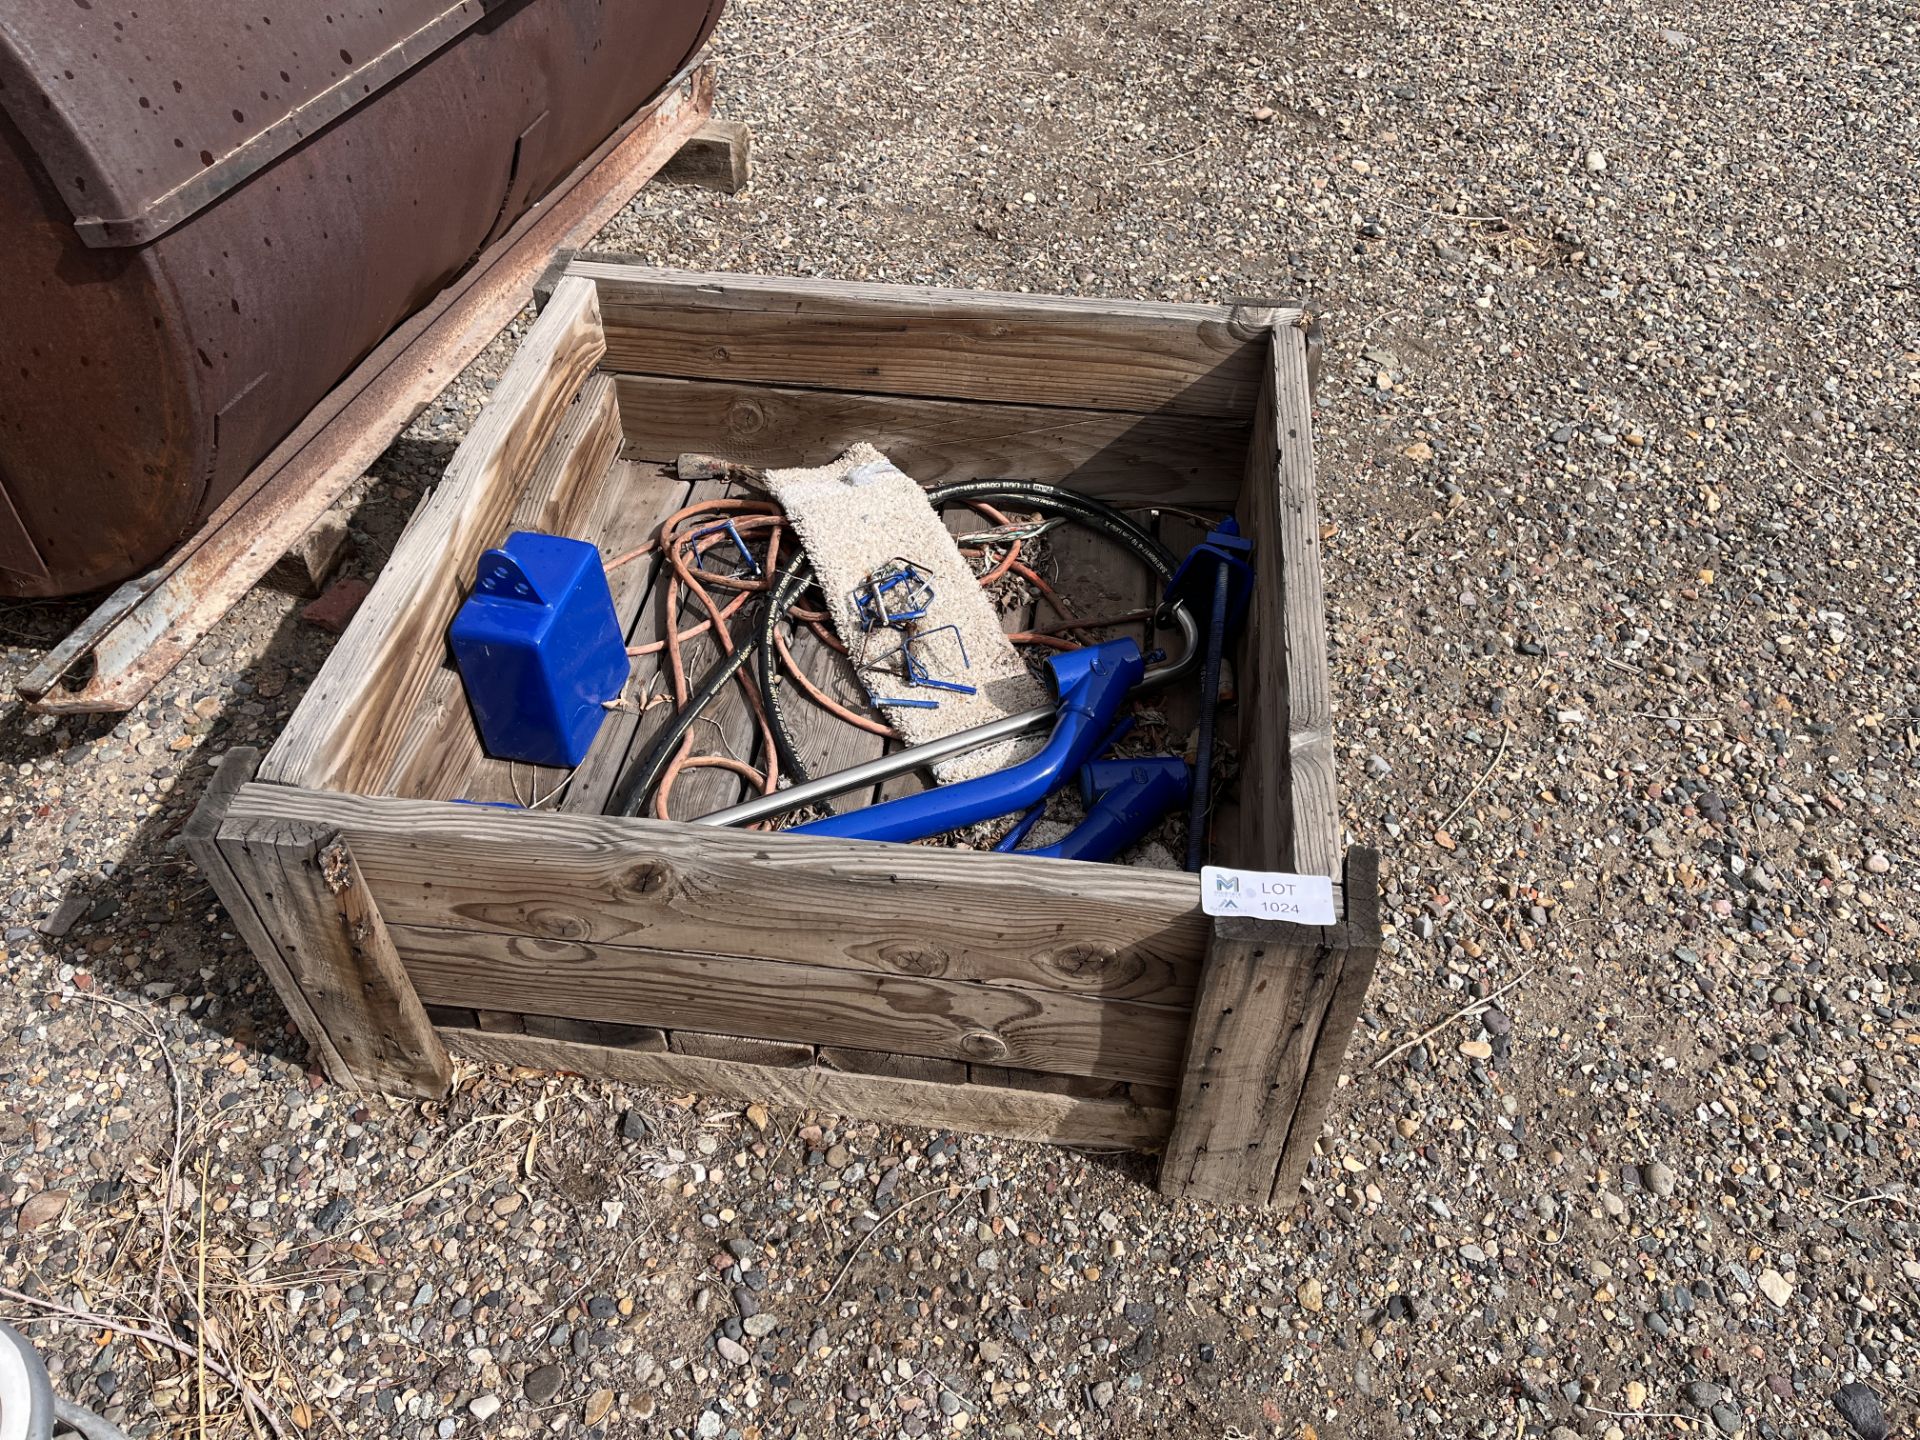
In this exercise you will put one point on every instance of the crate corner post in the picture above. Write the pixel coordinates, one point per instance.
(1276, 1007)
(298, 898)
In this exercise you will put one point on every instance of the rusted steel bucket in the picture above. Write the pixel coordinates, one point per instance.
(209, 214)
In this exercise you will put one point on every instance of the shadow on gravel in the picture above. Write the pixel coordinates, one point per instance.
(143, 925)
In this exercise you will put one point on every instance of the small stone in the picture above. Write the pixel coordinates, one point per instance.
(484, 1407)
(1476, 1049)
(837, 1156)
(599, 1406)
(1776, 1287)
(1596, 162)
(43, 1209)
(332, 1214)
(1861, 1409)
(66, 916)
(543, 1382)
(335, 608)
(759, 1326)
(507, 1204)
(1659, 1178)
(708, 1426)
(732, 1351)
(1310, 1296)
(1878, 864)
(1726, 1418)
(1636, 1394)
(1704, 1394)
(635, 1126)
(1103, 1394)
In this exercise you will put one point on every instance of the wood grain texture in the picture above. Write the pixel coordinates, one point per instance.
(650, 493)
(343, 734)
(594, 1032)
(1276, 1006)
(1040, 1080)
(440, 755)
(782, 1053)
(904, 1067)
(1289, 807)
(805, 1004)
(906, 910)
(1357, 962)
(1254, 1025)
(201, 839)
(917, 340)
(315, 904)
(1013, 1114)
(1118, 456)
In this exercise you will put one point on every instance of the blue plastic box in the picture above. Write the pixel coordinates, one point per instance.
(539, 649)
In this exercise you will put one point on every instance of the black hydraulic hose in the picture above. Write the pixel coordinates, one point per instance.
(643, 777)
(792, 581)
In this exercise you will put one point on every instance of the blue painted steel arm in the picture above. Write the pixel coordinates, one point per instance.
(1092, 685)
(1133, 796)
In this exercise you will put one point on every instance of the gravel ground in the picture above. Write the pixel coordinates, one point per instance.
(1617, 439)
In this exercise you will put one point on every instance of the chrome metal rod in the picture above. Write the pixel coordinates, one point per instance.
(825, 787)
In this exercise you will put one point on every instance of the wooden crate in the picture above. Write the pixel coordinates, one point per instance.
(1054, 1000)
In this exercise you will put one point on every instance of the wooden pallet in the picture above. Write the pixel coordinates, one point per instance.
(1041, 999)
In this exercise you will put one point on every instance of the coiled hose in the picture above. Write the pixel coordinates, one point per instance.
(791, 580)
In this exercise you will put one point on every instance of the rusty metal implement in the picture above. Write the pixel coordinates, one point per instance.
(210, 214)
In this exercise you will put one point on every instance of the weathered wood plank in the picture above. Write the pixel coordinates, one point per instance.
(806, 1004)
(315, 905)
(342, 736)
(201, 838)
(781, 1053)
(884, 1062)
(1040, 1080)
(715, 157)
(1357, 962)
(1289, 807)
(1263, 1021)
(440, 756)
(1052, 925)
(594, 1032)
(917, 340)
(652, 494)
(1118, 456)
(981, 1109)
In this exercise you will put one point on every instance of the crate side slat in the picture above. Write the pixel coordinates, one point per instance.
(766, 999)
(891, 909)
(914, 340)
(342, 737)
(1118, 456)
(888, 1100)
(1289, 807)
(440, 755)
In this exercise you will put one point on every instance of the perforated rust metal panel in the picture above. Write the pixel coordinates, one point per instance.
(209, 212)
